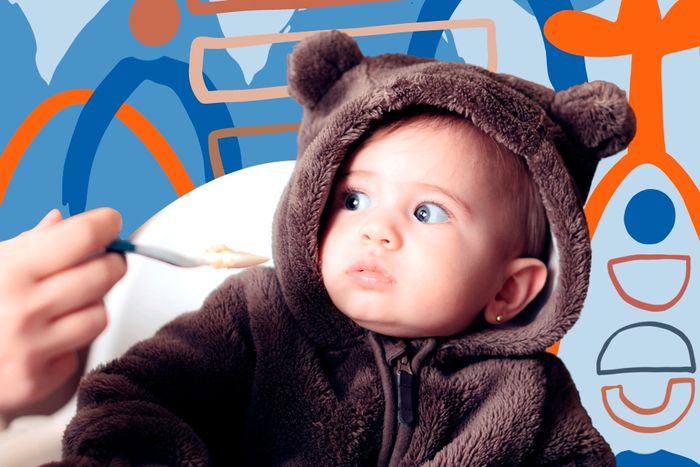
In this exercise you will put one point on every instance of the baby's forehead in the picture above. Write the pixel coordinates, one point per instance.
(456, 157)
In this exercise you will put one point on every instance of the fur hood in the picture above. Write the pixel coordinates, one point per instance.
(561, 135)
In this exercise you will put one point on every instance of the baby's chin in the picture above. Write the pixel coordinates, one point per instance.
(391, 329)
(376, 317)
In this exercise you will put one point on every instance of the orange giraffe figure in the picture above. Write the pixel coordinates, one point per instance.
(640, 31)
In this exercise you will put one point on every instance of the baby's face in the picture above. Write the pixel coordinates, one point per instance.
(413, 245)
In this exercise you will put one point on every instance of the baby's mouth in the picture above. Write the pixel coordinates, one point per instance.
(370, 274)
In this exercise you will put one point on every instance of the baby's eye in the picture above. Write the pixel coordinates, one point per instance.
(355, 201)
(429, 213)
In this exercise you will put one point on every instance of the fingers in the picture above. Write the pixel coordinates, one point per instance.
(78, 286)
(52, 217)
(73, 331)
(72, 241)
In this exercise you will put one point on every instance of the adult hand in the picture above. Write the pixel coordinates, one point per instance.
(52, 282)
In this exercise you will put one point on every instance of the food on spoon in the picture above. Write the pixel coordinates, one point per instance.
(221, 256)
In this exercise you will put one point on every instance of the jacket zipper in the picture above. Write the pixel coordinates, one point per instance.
(405, 392)
(400, 386)
(406, 413)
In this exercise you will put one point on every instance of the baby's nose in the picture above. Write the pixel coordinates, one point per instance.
(382, 233)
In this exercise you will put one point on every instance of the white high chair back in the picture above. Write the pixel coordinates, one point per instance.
(236, 210)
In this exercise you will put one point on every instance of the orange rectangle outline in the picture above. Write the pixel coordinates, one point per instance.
(217, 165)
(200, 44)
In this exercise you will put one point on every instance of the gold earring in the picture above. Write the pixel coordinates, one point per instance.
(499, 318)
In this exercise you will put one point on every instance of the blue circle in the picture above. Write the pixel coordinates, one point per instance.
(650, 216)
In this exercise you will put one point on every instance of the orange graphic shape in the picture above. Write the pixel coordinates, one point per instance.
(133, 119)
(645, 305)
(639, 31)
(200, 44)
(217, 165)
(154, 22)
(650, 410)
(199, 7)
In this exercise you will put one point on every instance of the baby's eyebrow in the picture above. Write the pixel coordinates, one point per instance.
(446, 192)
(354, 174)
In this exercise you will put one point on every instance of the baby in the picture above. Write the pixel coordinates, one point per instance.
(429, 248)
(432, 225)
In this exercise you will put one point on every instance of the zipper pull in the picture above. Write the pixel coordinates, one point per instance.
(404, 389)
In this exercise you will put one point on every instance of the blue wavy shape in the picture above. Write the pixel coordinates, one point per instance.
(564, 70)
(112, 92)
(425, 43)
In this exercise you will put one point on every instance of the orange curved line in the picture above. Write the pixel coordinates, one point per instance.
(685, 185)
(646, 305)
(134, 120)
(30, 127)
(603, 192)
(158, 146)
(648, 411)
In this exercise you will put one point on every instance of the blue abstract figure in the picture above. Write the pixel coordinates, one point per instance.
(564, 70)
(112, 92)
(425, 43)
(650, 216)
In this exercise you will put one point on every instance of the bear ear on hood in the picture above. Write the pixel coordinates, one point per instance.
(317, 63)
(596, 116)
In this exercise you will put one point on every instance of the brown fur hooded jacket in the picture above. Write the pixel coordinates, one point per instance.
(269, 372)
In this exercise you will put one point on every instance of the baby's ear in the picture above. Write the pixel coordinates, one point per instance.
(524, 279)
(317, 63)
(595, 115)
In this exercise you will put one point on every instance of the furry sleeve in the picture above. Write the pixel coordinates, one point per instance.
(567, 436)
(165, 400)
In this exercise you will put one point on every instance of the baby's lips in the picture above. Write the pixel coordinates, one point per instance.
(371, 267)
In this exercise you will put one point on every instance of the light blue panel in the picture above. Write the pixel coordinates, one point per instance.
(681, 103)
(605, 312)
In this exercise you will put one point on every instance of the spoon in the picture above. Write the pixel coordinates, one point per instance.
(219, 256)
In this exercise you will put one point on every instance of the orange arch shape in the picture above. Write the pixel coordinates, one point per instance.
(143, 129)
(603, 192)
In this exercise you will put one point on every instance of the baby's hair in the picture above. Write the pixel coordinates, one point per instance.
(510, 172)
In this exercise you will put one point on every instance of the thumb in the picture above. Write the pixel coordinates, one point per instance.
(51, 218)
